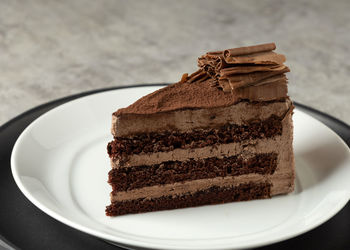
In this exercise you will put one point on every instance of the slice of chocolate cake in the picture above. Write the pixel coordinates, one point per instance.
(221, 134)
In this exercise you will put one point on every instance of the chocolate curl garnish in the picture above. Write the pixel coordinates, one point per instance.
(257, 58)
(249, 50)
(250, 68)
(184, 78)
(244, 80)
(267, 92)
(207, 65)
(252, 73)
(212, 62)
(221, 64)
(273, 79)
(215, 53)
(198, 76)
(218, 61)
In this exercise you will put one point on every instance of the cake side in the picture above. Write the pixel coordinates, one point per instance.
(264, 157)
(222, 166)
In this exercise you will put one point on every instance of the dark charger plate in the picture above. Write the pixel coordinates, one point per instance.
(24, 226)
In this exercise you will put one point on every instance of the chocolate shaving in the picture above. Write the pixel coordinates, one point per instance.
(215, 53)
(209, 63)
(273, 79)
(243, 80)
(257, 58)
(199, 75)
(184, 78)
(245, 67)
(268, 92)
(249, 50)
(249, 68)
(253, 73)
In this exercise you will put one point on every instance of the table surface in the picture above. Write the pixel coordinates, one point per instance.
(50, 49)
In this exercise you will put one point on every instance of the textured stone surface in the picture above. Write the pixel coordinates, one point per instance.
(50, 49)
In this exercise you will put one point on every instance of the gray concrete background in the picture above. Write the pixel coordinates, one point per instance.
(50, 49)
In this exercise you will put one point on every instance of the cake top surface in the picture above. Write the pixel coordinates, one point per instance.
(253, 73)
(179, 96)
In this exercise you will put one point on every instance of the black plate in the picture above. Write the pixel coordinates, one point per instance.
(24, 226)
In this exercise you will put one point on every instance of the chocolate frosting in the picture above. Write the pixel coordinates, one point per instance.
(180, 96)
(254, 74)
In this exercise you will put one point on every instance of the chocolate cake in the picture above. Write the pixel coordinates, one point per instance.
(221, 134)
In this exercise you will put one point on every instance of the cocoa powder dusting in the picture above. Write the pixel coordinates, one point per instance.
(180, 96)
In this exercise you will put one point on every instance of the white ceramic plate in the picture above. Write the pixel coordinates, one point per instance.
(60, 164)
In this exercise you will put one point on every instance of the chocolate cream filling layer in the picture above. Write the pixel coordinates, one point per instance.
(185, 120)
(123, 179)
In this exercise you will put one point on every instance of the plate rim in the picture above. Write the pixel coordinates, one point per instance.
(87, 230)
